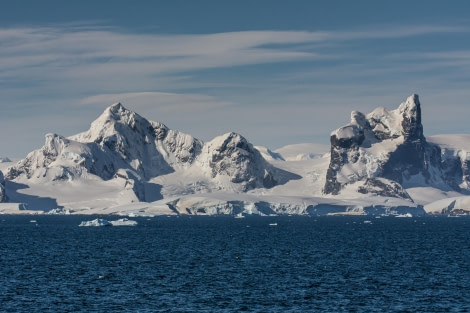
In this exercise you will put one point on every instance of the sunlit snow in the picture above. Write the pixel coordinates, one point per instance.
(129, 166)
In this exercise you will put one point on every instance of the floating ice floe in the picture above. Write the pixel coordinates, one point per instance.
(96, 222)
(123, 222)
(59, 211)
(404, 215)
(103, 222)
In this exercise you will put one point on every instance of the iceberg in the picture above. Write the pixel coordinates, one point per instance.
(123, 222)
(103, 222)
(96, 222)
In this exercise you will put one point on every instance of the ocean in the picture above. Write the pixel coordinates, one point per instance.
(225, 264)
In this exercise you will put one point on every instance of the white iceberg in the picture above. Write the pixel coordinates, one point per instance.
(58, 211)
(123, 222)
(404, 215)
(103, 222)
(96, 222)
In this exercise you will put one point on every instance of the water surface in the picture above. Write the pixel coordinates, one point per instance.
(223, 264)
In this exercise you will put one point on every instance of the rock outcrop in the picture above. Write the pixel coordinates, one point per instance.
(389, 145)
(3, 196)
(233, 157)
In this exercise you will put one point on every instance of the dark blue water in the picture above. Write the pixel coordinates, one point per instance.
(221, 264)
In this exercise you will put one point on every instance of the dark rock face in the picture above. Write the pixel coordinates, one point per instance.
(236, 158)
(455, 161)
(383, 187)
(345, 144)
(232, 157)
(454, 172)
(383, 144)
(465, 166)
(3, 196)
(332, 186)
(414, 155)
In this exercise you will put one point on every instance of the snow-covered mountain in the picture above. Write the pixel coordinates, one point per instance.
(148, 148)
(123, 146)
(385, 152)
(232, 156)
(379, 164)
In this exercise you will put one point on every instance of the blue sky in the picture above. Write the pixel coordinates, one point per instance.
(278, 72)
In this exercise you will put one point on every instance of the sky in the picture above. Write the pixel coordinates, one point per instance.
(277, 72)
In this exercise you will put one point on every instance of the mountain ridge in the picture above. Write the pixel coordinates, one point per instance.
(121, 144)
(379, 163)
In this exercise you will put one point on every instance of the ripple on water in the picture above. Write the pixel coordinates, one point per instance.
(206, 264)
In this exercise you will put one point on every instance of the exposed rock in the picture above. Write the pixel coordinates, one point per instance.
(231, 155)
(383, 144)
(455, 160)
(383, 187)
(3, 196)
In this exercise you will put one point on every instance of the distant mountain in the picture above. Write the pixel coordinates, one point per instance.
(378, 164)
(297, 152)
(122, 145)
(385, 152)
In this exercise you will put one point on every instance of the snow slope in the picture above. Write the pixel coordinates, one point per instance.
(124, 158)
(125, 164)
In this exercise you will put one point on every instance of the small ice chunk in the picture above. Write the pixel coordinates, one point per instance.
(123, 222)
(96, 222)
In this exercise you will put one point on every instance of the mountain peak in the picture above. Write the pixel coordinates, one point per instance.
(411, 118)
(411, 108)
(116, 107)
(386, 144)
(117, 112)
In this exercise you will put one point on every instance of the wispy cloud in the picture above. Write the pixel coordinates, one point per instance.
(87, 52)
(85, 61)
(68, 47)
(384, 32)
(226, 81)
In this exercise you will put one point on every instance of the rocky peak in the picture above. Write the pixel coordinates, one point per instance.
(115, 119)
(116, 109)
(150, 148)
(54, 144)
(410, 111)
(411, 107)
(39, 159)
(383, 143)
(231, 157)
(231, 144)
